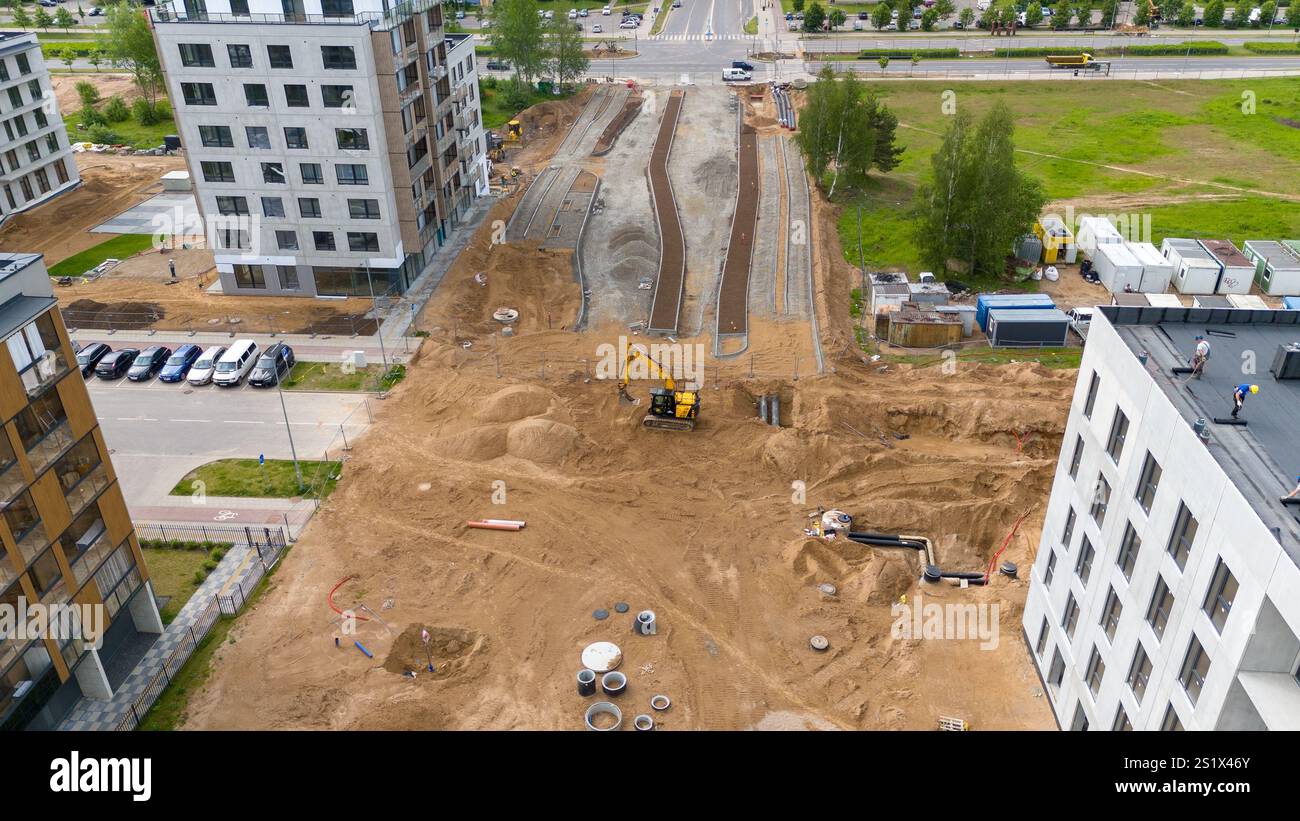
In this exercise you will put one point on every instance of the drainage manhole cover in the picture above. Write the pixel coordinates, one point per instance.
(600, 615)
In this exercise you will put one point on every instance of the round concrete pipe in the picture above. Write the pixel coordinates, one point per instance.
(586, 682)
(645, 623)
(603, 708)
(643, 723)
(762, 408)
(660, 702)
(776, 410)
(613, 683)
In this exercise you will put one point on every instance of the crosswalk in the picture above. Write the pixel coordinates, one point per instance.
(712, 37)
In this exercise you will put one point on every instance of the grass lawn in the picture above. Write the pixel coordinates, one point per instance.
(276, 479)
(1050, 357)
(751, 25)
(128, 132)
(497, 110)
(119, 247)
(172, 573)
(324, 376)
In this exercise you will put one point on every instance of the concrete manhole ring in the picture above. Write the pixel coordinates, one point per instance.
(602, 656)
(505, 315)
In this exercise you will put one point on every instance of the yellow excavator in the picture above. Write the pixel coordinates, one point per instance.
(670, 409)
(514, 131)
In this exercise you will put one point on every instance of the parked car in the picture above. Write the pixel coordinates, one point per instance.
(275, 364)
(914, 25)
(573, 14)
(628, 23)
(149, 362)
(734, 74)
(605, 11)
(595, 28)
(203, 368)
(115, 364)
(179, 363)
(582, 12)
(742, 65)
(89, 356)
(862, 15)
(460, 15)
(498, 65)
(96, 11)
(235, 363)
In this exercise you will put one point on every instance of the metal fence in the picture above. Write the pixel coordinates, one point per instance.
(221, 534)
(190, 641)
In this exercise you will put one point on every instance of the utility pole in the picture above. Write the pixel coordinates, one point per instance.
(293, 451)
(379, 326)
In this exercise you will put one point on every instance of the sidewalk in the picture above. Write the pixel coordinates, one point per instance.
(229, 511)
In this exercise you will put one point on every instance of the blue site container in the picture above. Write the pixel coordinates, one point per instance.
(1291, 303)
(986, 302)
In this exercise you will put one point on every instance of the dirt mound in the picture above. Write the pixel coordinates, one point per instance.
(515, 402)
(543, 441)
(474, 445)
(449, 649)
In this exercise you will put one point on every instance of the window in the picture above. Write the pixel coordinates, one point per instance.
(1162, 603)
(336, 8)
(1196, 666)
(1050, 569)
(23, 66)
(1043, 633)
(255, 95)
(311, 173)
(1056, 673)
(272, 207)
(1110, 614)
(1219, 596)
(1118, 432)
(257, 136)
(39, 116)
(1076, 458)
(1184, 533)
(196, 55)
(16, 97)
(352, 139)
(295, 137)
(249, 276)
(1083, 565)
(52, 143)
(1139, 673)
(309, 207)
(1068, 535)
(1092, 394)
(363, 209)
(45, 574)
(288, 277)
(296, 96)
(1100, 500)
(286, 240)
(1128, 551)
(216, 136)
(33, 151)
(363, 242)
(198, 94)
(232, 206)
(350, 174)
(239, 8)
(280, 57)
(1171, 722)
(338, 57)
(273, 173)
(324, 240)
(1070, 618)
(241, 56)
(1148, 482)
(1080, 723)
(336, 96)
(232, 239)
(1096, 671)
(1121, 723)
(217, 171)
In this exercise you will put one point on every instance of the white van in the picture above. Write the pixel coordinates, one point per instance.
(235, 363)
(730, 74)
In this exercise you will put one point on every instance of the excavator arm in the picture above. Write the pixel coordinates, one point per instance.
(658, 370)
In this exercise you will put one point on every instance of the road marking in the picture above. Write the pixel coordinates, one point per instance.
(135, 419)
(243, 421)
(196, 421)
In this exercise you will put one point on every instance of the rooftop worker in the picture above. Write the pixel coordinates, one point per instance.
(1295, 492)
(1239, 397)
(1199, 357)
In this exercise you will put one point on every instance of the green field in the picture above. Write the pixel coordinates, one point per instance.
(276, 479)
(129, 132)
(1173, 150)
(325, 376)
(119, 247)
(497, 110)
(172, 574)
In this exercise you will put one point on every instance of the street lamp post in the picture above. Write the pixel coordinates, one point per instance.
(379, 327)
(293, 451)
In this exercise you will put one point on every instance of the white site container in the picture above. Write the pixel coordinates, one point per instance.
(1237, 271)
(1094, 232)
(1117, 268)
(1196, 271)
(1248, 301)
(1156, 270)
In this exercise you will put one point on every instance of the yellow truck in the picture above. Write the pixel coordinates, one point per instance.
(1082, 60)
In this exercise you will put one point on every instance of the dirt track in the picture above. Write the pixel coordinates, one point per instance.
(665, 311)
(733, 296)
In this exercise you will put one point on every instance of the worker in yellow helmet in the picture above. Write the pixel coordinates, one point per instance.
(1239, 397)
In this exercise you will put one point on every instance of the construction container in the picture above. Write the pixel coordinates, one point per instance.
(1029, 247)
(1095, 232)
(1277, 267)
(1237, 270)
(928, 293)
(1028, 328)
(1196, 270)
(1291, 303)
(1156, 270)
(887, 288)
(1057, 239)
(1164, 300)
(1248, 301)
(1130, 300)
(1117, 268)
(965, 313)
(911, 328)
(986, 302)
(1211, 301)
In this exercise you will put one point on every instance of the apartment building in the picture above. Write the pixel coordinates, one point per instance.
(334, 145)
(65, 535)
(1166, 590)
(36, 162)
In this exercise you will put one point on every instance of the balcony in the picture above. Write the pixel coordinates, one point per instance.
(87, 488)
(56, 440)
(45, 372)
(11, 482)
(33, 541)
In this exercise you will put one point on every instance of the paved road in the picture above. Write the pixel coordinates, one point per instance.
(158, 432)
(990, 67)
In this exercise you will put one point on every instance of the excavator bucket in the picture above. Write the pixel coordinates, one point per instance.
(625, 398)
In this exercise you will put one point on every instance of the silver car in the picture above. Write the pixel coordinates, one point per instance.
(202, 369)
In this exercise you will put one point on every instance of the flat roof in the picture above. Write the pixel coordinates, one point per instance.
(1189, 249)
(1224, 251)
(1280, 256)
(12, 263)
(1261, 458)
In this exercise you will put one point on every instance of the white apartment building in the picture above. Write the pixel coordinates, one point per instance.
(334, 145)
(1166, 589)
(36, 162)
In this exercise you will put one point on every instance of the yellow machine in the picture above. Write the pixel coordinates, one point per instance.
(670, 409)
(514, 131)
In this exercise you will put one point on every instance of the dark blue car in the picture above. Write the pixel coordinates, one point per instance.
(179, 363)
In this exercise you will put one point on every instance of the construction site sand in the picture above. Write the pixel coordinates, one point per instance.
(108, 85)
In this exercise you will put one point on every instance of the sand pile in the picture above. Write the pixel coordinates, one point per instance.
(515, 402)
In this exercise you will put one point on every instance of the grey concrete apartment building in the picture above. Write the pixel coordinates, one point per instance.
(1166, 590)
(36, 162)
(334, 145)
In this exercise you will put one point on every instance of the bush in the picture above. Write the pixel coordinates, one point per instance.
(1208, 47)
(144, 113)
(907, 54)
(88, 93)
(115, 111)
(217, 554)
(1273, 48)
(90, 117)
(199, 576)
(209, 565)
(163, 109)
(178, 544)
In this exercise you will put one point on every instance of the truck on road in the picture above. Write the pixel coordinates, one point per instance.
(1082, 61)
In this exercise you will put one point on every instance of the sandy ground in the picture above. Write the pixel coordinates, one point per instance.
(703, 528)
(109, 84)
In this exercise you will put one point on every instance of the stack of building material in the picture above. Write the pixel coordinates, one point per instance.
(1277, 267)
(1156, 270)
(1196, 270)
(987, 302)
(914, 327)
(1012, 328)
(1095, 232)
(1236, 270)
(1117, 268)
(1058, 241)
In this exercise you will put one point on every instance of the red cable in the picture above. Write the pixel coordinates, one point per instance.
(1005, 543)
(330, 598)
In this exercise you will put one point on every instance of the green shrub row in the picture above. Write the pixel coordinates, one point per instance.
(1273, 48)
(182, 544)
(907, 54)
(1136, 50)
